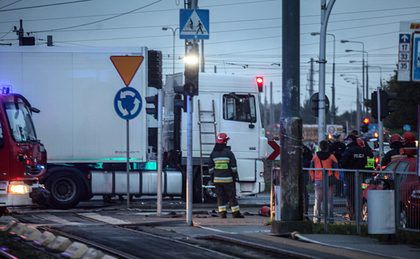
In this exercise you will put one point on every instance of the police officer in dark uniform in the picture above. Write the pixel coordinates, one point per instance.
(222, 167)
(354, 157)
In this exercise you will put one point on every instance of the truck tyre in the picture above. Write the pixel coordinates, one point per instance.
(65, 188)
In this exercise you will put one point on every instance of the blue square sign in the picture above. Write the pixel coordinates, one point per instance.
(194, 24)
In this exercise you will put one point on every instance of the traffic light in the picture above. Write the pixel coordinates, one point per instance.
(365, 125)
(154, 101)
(386, 103)
(155, 69)
(191, 71)
(260, 83)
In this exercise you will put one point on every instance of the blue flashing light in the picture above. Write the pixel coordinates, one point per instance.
(6, 89)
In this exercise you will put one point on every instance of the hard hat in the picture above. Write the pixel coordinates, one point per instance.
(395, 138)
(360, 142)
(222, 138)
(408, 138)
(264, 211)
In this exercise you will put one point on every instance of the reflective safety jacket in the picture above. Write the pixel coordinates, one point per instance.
(222, 166)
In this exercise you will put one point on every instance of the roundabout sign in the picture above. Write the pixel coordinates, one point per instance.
(128, 103)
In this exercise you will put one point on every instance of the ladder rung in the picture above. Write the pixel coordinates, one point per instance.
(206, 111)
(207, 143)
(212, 122)
(208, 133)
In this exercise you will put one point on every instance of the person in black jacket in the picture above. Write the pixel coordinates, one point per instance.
(353, 158)
(223, 168)
(395, 143)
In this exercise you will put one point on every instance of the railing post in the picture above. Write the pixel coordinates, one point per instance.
(325, 198)
(397, 200)
(357, 200)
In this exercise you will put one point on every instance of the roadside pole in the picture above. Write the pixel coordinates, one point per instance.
(159, 154)
(325, 14)
(290, 179)
(380, 128)
(128, 163)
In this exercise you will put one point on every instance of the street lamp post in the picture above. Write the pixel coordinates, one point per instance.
(363, 63)
(353, 79)
(333, 78)
(173, 44)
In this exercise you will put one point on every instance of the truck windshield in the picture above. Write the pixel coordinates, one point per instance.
(20, 122)
(239, 107)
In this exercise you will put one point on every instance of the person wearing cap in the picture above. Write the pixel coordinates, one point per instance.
(353, 158)
(409, 144)
(395, 143)
(223, 168)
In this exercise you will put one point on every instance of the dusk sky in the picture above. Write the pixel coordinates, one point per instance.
(243, 33)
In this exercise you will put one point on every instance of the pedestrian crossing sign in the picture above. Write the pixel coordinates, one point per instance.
(194, 24)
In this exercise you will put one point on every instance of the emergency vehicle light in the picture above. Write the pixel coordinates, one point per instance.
(18, 188)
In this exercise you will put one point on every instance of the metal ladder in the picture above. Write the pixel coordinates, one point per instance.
(207, 135)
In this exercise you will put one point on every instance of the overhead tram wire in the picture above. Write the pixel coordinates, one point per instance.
(15, 2)
(101, 20)
(41, 6)
(238, 3)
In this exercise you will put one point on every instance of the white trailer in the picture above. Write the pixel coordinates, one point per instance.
(86, 140)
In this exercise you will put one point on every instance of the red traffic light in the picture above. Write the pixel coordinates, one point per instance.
(260, 83)
(366, 121)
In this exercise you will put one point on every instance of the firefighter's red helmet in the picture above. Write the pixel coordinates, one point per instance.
(409, 138)
(222, 138)
(395, 138)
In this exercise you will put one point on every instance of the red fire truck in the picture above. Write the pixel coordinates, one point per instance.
(22, 156)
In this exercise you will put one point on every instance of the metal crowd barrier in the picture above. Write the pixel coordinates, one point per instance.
(348, 196)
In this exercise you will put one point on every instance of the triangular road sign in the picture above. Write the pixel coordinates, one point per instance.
(194, 25)
(127, 66)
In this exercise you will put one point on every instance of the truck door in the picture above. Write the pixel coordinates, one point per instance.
(240, 122)
(4, 153)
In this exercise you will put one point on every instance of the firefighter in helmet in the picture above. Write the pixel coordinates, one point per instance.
(396, 143)
(222, 167)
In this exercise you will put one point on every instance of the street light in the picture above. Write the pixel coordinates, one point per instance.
(363, 66)
(333, 77)
(173, 45)
(353, 79)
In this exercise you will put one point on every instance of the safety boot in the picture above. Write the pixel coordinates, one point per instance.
(238, 215)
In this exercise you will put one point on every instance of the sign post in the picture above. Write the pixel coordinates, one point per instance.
(127, 101)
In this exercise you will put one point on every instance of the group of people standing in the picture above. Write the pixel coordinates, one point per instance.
(352, 154)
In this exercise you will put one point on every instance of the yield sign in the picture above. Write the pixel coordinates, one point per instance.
(127, 66)
(276, 149)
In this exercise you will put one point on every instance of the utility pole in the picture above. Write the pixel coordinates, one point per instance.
(191, 49)
(311, 78)
(202, 56)
(271, 108)
(325, 14)
(289, 182)
(265, 110)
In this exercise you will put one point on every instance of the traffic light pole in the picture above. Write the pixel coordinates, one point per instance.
(380, 128)
(159, 154)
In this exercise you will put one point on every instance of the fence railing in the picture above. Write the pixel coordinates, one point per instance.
(341, 195)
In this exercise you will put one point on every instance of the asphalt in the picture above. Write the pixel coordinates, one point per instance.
(253, 230)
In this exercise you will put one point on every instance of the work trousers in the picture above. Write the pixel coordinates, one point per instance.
(226, 193)
(319, 194)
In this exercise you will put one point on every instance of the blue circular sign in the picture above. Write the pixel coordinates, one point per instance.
(407, 127)
(128, 103)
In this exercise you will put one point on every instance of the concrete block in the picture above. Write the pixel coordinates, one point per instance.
(18, 229)
(93, 253)
(5, 228)
(59, 244)
(75, 250)
(108, 257)
(45, 239)
(31, 234)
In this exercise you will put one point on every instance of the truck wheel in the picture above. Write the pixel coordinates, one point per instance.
(65, 189)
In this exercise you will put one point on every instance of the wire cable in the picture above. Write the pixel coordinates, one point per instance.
(45, 5)
(101, 20)
(15, 2)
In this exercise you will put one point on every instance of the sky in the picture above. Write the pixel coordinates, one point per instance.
(245, 35)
